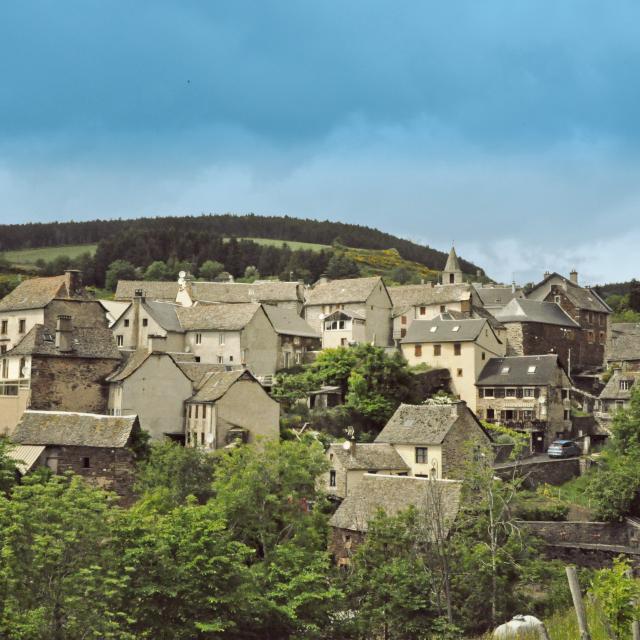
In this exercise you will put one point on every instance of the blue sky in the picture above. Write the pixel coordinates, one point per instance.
(511, 128)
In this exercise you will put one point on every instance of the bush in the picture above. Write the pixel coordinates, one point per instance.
(530, 506)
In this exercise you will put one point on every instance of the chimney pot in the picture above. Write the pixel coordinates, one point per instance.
(546, 274)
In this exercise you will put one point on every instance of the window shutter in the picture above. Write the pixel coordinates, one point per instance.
(519, 392)
(536, 393)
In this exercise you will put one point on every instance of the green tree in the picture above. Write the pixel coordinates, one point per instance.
(119, 270)
(401, 275)
(251, 273)
(171, 473)
(634, 295)
(209, 269)
(7, 468)
(157, 270)
(341, 266)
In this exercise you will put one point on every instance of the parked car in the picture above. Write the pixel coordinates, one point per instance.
(563, 449)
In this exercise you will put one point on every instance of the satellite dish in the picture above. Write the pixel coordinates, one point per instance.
(346, 445)
(182, 274)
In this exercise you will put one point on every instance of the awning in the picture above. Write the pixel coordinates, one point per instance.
(25, 456)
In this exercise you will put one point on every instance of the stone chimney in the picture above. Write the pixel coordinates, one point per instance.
(573, 276)
(546, 274)
(138, 299)
(73, 282)
(64, 334)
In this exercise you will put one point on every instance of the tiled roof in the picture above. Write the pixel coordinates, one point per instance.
(441, 330)
(342, 291)
(216, 384)
(519, 371)
(394, 494)
(73, 429)
(152, 289)
(288, 322)
(523, 310)
(197, 371)
(221, 317)
(582, 297)
(133, 362)
(613, 390)
(378, 456)
(497, 296)
(423, 423)
(88, 342)
(417, 295)
(34, 293)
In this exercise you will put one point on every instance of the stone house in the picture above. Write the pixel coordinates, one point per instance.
(40, 301)
(366, 311)
(101, 449)
(587, 308)
(462, 346)
(288, 295)
(155, 386)
(437, 502)
(536, 327)
(425, 302)
(531, 394)
(350, 460)
(434, 440)
(227, 407)
(623, 347)
(297, 340)
(616, 395)
(63, 369)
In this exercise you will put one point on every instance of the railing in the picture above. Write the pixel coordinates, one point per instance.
(12, 387)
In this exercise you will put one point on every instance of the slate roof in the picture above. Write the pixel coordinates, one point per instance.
(216, 384)
(395, 494)
(342, 291)
(88, 342)
(452, 263)
(212, 317)
(441, 330)
(612, 390)
(287, 322)
(34, 293)
(164, 313)
(422, 423)
(152, 289)
(73, 429)
(582, 297)
(417, 295)
(497, 296)
(378, 456)
(345, 313)
(524, 310)
(624, 343)
(196, 371)
(133, 362)
(546, 368)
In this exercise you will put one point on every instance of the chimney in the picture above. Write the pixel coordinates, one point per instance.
(573, 276)
(64, 334)
(546, 274)
(323, 279)
(138, 299)
(513, 286)
(73, 282)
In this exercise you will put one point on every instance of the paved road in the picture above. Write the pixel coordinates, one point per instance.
(539, 457)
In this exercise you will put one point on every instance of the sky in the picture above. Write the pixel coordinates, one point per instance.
(510, 128)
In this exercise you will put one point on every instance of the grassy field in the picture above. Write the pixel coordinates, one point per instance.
(292, 244)
(27, 257)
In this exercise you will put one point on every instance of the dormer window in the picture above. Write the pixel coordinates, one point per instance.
(504, 371)
(625, 385)
(433, 329)
(531, 369)
(456, 328)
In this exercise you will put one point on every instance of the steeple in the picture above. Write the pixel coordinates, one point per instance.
(452, 273)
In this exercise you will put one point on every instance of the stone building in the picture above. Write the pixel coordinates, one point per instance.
(531, 394)
(101, 449)
(433, 439)
(616, 395)
(227, 407)
(587, 308)
(462, 346)
(437, 502)
(623, 347)
(63, 369)
(361, 308)
(349, 461)
(452, 272)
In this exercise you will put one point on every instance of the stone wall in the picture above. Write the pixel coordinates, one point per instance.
(536, 472)
(458, 442)
(343, 543)
(70, 384)
(109, 469)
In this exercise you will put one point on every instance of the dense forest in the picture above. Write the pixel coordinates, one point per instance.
(224, 225)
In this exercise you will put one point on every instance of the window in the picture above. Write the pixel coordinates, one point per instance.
(437, 349)
(22, 326)
(403, 333)
(198, 338)
(489, 392)
(625, 385)
(602, 337)
(332, 478)
(3, 348)
(565, 394)
(456, 328)
(231, 358)
(86, 463)
(196, 409)
(219, 359)
(510, 392)
(567, 414)
(591, 338)
(557, 299)
(531, 369)
(421, 455)
(417, 351)
(423, 310)
(5, 368)
(433, 329)
(145, 322)
(4, 326)
(457, 348)
(126, 323)
(443, 308)
(483, 356)
(202, 438)
(221, 338)
(21, 368)
(120, 340)
(204, 410)
(459, 373)
(527, 414)
(528, 392)
(403, 320)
